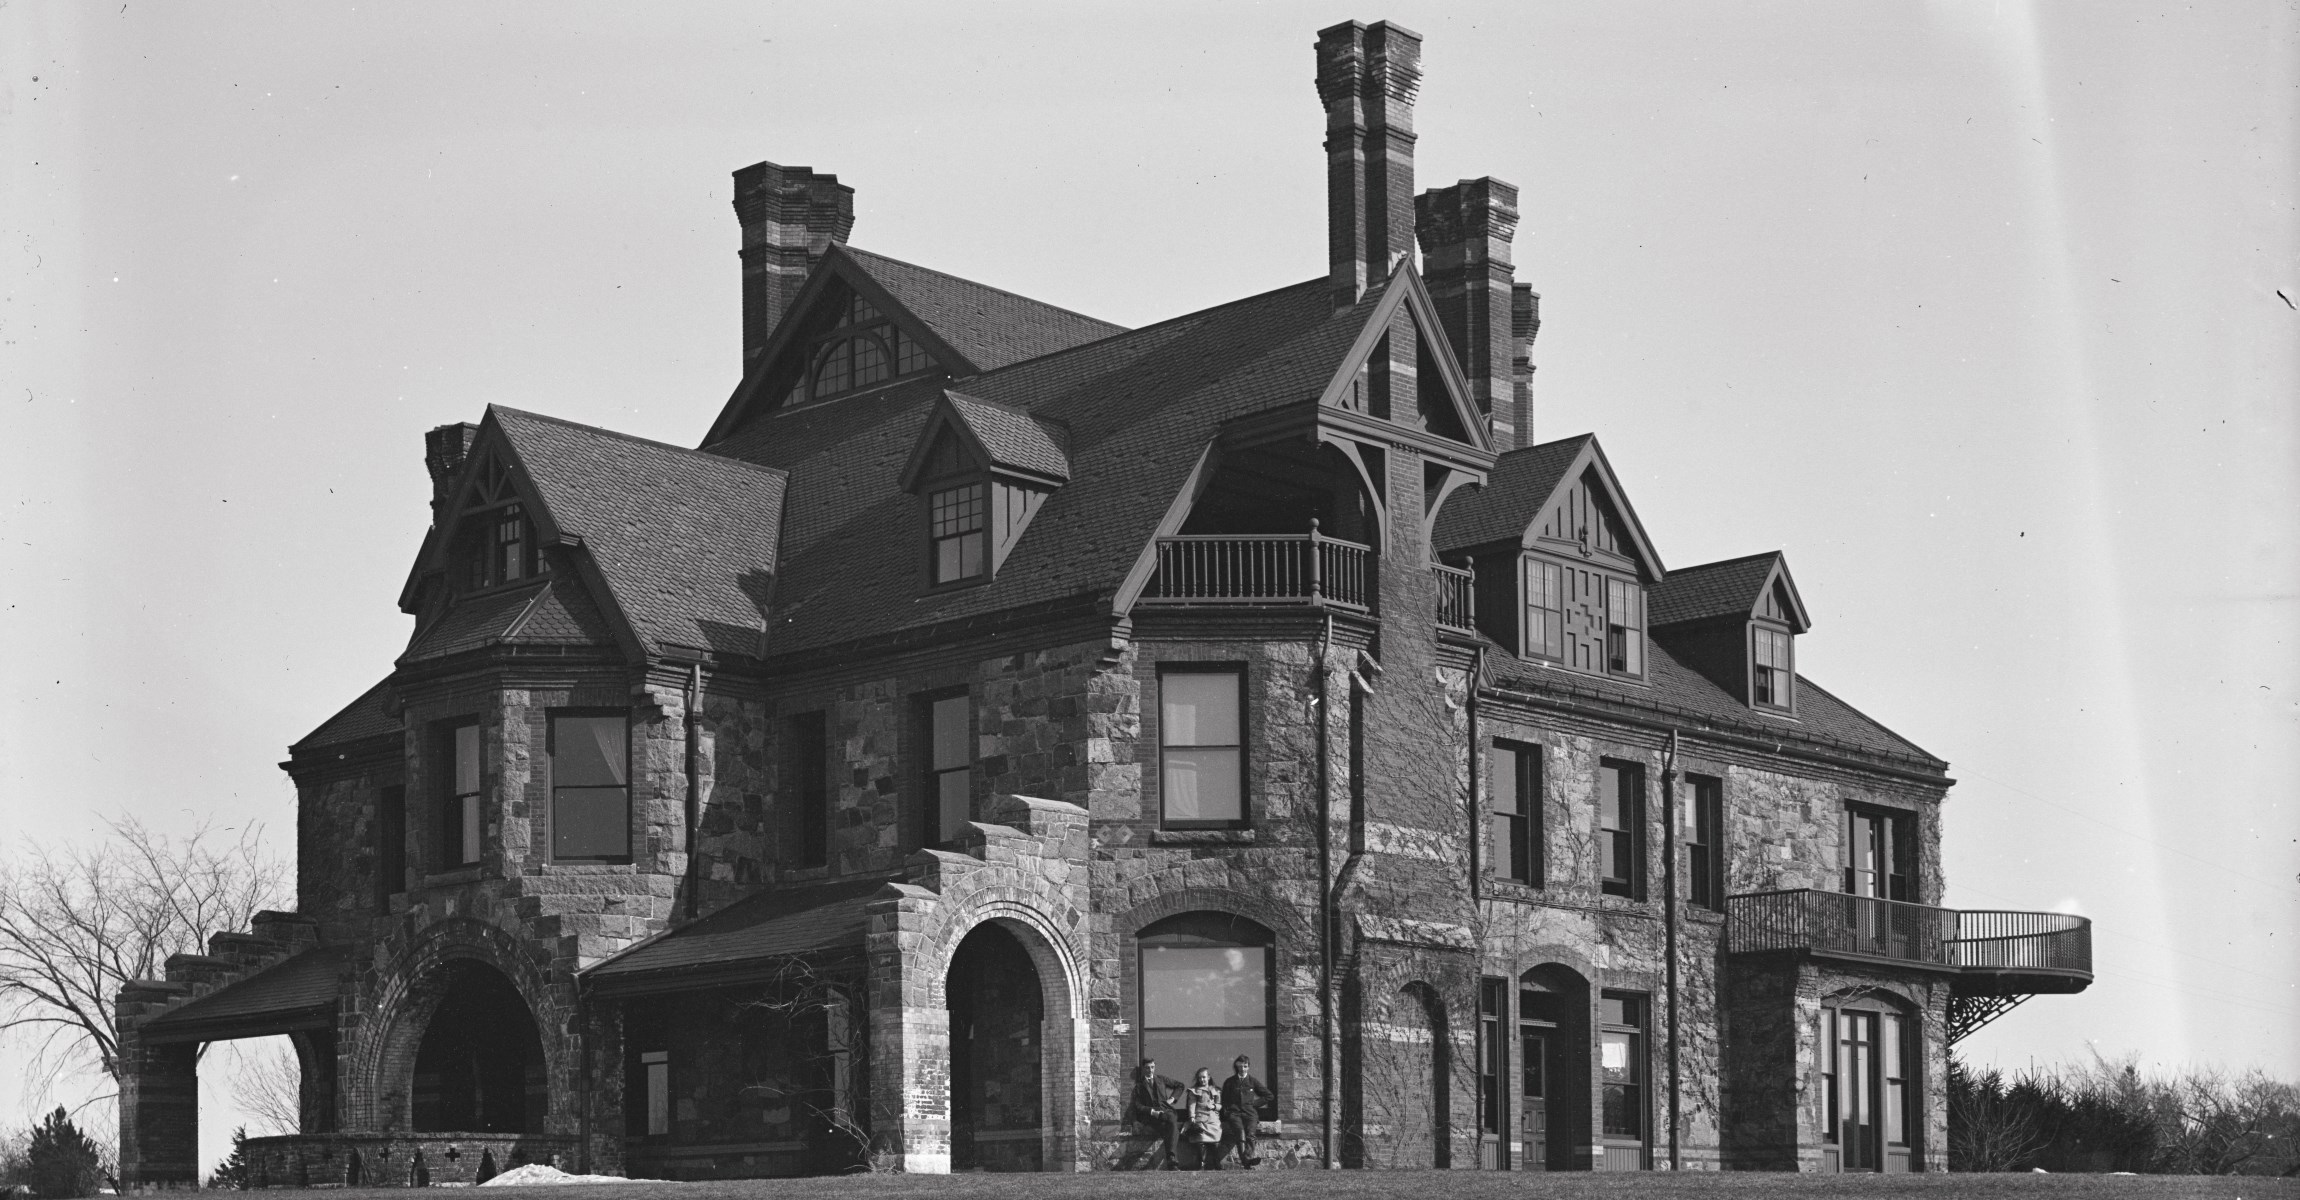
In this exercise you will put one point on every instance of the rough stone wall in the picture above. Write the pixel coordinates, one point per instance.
(338, 808)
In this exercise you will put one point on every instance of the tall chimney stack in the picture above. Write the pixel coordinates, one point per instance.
(444, 450)
(790, 217)
(1465, 233)
(1368, 76)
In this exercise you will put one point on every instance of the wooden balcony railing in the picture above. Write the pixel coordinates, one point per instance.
(1306, 568)
(1457, 598)
(1979, 942)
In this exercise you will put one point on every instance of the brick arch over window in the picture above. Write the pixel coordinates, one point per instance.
(406, 994)
(1292, 947)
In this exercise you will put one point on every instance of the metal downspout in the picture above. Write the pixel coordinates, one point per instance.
(1326, 898)
(1669, 926)
(694, 795)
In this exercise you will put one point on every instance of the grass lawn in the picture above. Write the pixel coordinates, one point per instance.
(1424, 1185)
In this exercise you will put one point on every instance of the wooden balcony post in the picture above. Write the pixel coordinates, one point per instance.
(1317, 565)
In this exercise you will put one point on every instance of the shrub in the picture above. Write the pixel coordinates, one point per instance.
(60, 1161)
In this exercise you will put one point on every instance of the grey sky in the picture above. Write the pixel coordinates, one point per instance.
(1972, 309)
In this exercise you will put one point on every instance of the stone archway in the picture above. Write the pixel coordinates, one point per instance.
(1555, 1079)
(479, 1064)
(997, 1014)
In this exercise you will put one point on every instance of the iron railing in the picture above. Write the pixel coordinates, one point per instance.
(1306, 568)
(1457, 598)
(1837, 923)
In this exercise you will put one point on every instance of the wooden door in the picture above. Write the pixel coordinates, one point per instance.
(1533, 1095)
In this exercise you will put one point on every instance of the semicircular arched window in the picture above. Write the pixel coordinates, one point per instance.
(849, 345)
(1206, 995)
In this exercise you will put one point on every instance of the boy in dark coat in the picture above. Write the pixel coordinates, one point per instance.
(1243, 1100)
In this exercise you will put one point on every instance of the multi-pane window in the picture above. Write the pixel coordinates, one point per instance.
(1544, 610)
(1878, 853)
(1205, 994)
(1705, 842)
(591, 786)
(1770, 671)
(806, 763)
(459, 807)
(1514, 820)
(1621, 829)
(1492, 996)
(1201, 747)
(500, 548)
(1621, 1059)
(958, 529)
(851, 345)
(950, 767)
(1624, 628)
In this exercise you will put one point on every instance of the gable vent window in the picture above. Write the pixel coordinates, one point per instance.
(1769, 679)
(1624, 628)
(958, 528)
(850, 345)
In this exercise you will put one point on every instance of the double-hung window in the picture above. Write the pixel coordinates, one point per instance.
(1770, 667)
(460, 802)
(591, 786)
(1544, 610)
(1705, 843)
(958, 530)
(1624, 628)
(949, 768)
(1621, 829)
(1201, 747)
(1621, 1059)
(1514, 820)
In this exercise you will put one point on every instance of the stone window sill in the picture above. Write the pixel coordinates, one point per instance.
(1202, 837)
(471, 874)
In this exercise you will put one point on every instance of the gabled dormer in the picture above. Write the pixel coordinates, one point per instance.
(981, 470)
(1736, 622)
(1563, 565)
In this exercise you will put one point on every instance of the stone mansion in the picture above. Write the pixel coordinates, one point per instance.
(995, 696)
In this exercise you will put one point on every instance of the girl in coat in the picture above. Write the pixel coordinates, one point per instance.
(1202, 1115)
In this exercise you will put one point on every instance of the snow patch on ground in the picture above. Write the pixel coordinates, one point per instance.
(537, 1174)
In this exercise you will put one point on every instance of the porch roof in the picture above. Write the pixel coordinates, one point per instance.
(298, 993)
(740, 942)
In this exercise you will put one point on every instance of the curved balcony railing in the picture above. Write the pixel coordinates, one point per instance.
(1456, 598)
(2020, 950)
(1306, 568)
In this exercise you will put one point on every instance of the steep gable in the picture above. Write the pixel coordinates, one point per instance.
(906, 320)
(1756, 585)
(1562, 496)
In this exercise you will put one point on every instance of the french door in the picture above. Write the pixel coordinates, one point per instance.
(1866, 1091)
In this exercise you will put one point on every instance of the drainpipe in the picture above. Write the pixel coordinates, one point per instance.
(1669, 925)
(1476, 676)
(1325, 896)
(694, 795)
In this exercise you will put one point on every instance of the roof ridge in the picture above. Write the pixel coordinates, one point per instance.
(1727, 562)
(990, 287)
(713, 455)
(1155, 325)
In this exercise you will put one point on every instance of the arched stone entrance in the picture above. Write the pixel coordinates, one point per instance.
(997, 1097)
(1553, 1068)
(479, 1067)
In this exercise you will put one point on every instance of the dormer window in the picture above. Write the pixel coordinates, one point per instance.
(850, 345)
(1770, 667)
(958, 527)
(499, 548)
(1544, 610)
(1624, 628)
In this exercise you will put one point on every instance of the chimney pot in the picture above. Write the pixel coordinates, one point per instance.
(790, 217)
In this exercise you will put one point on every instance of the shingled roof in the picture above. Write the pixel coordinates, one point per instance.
(298, 993)
(1675, 691)
(686, 540)
(737, 939)
(1014, 439)
(359, 720)
(1719, 589)
(1141, 408)
(551, 612)
(1522, 481)
(991, 327)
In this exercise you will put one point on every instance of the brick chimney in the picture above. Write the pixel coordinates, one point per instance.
(1525, 310)
(1465, 232)
(444, 450)
(1368, 76)
(790, 217)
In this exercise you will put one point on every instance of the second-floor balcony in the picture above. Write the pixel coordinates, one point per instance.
(1990, 952)
(1263, 569)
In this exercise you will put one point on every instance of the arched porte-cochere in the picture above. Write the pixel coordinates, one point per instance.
(997, 1011)
(479, 1067)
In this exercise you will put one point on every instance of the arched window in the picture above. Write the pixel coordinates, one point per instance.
(850, 345)
(1206, 995)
